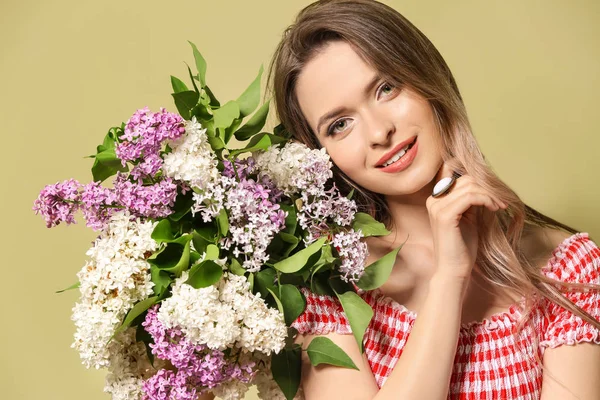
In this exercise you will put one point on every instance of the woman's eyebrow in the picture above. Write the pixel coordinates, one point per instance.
(338, 110)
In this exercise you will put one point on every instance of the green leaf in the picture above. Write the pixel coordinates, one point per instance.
(291, 240)
(185, 101)
(214, 103)
(106, 165)
(225, 115)
(378, 272)
(183, 205)
(359, 314)
(141, 335)
(135, 312)
(293, 303)
(349, 197)
(192, 78)
(261, 141)
(322, 350)
(223, 222)
(279, 305)
(232, 128)
(299, 259)
(248, 101)
(212, 252)
(178, 85)
(264, 281)
(319, 284)
(286, 368)
(216, 143)
(174, 258)
(200, 64)
(236, 267)
(204, 274)
(73, 286)
(160, 278)
(162, 232)
(291, 220)
(368, 225)
(254, 124)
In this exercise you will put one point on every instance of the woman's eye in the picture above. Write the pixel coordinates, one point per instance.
(386, 88)
(337, 127)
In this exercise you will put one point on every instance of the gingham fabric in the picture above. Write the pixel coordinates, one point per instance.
(490, 363)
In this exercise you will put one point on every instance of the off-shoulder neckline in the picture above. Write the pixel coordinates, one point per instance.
(511, 315)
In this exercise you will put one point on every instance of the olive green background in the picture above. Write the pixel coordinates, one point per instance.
(69, 70)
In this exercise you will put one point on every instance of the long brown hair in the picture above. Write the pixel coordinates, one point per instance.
(391, 44)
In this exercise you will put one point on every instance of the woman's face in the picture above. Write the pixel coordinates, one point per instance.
(372, 122)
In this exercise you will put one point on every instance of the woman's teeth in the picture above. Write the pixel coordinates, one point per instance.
(397, 156)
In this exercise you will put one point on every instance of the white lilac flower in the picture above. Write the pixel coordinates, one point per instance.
(295, 167)
(231, 390)
(129, 366)
(192, 159)
(209, 201)
(263, 328)
(224, 315)
(353, 253)
(115, 278)
(200, 315)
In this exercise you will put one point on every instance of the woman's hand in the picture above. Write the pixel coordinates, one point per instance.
(454, 219)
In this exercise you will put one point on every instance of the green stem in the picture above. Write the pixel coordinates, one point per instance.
(103, 205)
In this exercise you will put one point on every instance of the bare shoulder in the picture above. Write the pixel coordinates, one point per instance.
(539, 243)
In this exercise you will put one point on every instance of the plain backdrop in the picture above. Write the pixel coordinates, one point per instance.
(70, 70)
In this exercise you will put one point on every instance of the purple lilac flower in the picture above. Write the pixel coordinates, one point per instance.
(254, 220)
(151, 164)
(244, 167)
(58, 203)
(317, 213)
(353, 253)
(153, 201)
(198, 367)
(97, 205)
(143, 138)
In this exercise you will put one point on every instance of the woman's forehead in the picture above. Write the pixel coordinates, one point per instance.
(334, 77)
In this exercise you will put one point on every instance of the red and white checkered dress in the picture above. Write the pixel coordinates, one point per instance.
(490, 363)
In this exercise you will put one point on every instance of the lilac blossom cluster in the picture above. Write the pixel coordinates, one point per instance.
(255, 218)
(295, 168)
(353, 252)
(318, 213)
(197, 368)
(60, 201)
(143, 138)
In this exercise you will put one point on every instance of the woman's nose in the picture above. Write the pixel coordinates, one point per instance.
(379, 128)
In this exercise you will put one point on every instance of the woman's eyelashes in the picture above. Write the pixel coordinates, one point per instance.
(385, 89)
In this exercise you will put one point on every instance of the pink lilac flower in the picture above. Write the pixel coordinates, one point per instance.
(143, 139)
(318, 213)
(254, 220)
(198, 367)
(353, 253)
(58, 202)
(153, 201)
(244, 167)
(98, 204)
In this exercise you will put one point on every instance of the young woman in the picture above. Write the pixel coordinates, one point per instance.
(500, 301)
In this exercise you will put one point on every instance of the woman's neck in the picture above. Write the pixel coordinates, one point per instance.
(410, 217)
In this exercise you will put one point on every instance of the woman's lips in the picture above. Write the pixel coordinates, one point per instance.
(404, 161)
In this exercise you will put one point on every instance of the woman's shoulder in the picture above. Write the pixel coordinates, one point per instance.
(564, 256)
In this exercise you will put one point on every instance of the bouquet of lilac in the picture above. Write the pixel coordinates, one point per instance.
(203, 251)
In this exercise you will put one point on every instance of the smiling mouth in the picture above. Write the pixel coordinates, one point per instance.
(401, 153)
